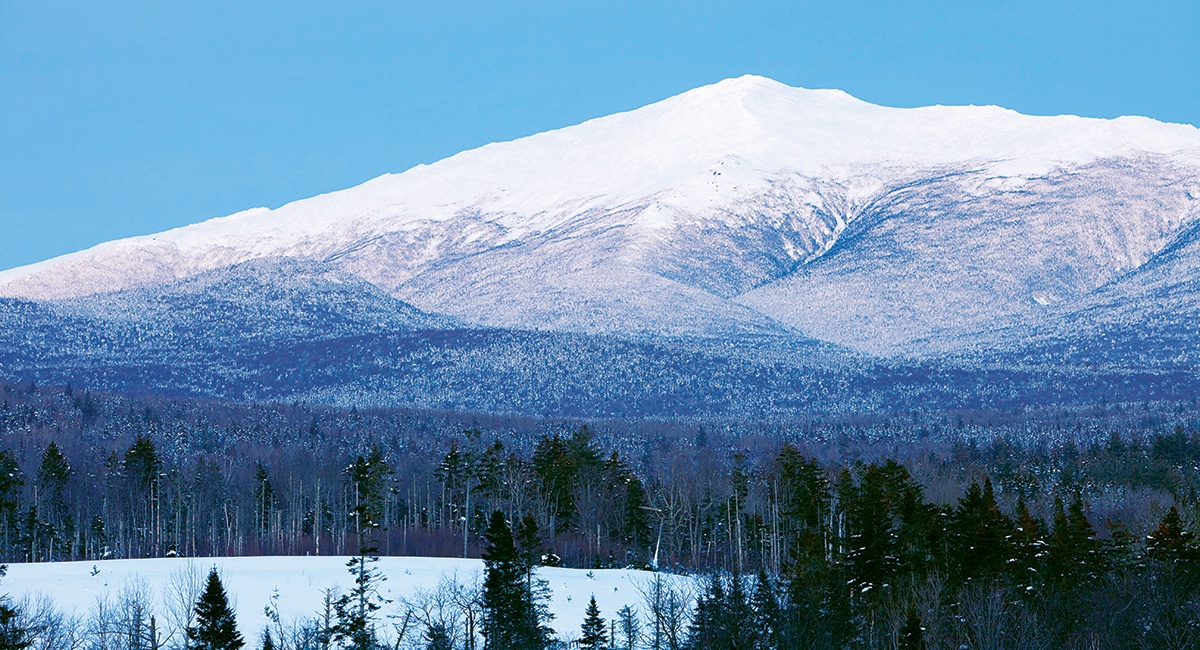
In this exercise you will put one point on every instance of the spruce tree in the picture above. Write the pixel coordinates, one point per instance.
(511, 618)
(529, 542)
(14, 634)
(437, 638)
(979, 534)
(629, 628)
(355, 610)
(215, 627)
(764, 605)
(708, 627)
(593, 628)
(912, 635)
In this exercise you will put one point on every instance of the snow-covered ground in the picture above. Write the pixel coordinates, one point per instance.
(301, 581)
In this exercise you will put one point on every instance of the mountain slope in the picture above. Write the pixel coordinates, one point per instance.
(743, 248)
(655, 220)
(938, 260)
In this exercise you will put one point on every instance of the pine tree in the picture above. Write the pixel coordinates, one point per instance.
(268, 643)
(708, 629)
(10, 494)
(14, 634)
(1169, 542)
(979, 534)
(215, 627)
(368, 482)
(764, 604)
(264, 499)
(511, 618)
(529, 542)
(1027, 546)
(355, 610)
(437, 638)
(593, 628)
(737, 617)
(912, 634)
(1073, 549)
(628, 627)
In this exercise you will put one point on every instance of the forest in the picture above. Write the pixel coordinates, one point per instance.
(1018, 528)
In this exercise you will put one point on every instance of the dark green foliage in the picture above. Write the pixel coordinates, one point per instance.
(264, 499)
(1073, 550)
(803, 493)
(979, 535)
(724, 617)
(529, 542)
(11, 482)
(894, 531)
(142, 464)
(511, 617)
(355, 628)
(215, 627)
(636, 530)
(912, 634)
(768, 616)
(1170, 542)
(368, 479)
(593, 634)
(53, 474)
(14, 633)
(437, 638)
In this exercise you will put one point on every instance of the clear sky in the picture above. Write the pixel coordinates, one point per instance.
(123, 118)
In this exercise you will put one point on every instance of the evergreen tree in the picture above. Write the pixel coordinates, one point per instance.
(804, 500)
(1169, 542)
(511, 618)
(912, 634)
(368, 482)
(764, 604)
(979, 534)
(708, 627)
(636, 529)
(264, 499)
(529, 543)
(1028, 548)
(437, 638)
(355, 610)
(737, 617)
(14, 633)
(215, 627)
(268, 643)
(142, 464)
(593, 629)
(1073, 551)
(52, 476)
(628, 627)
(10, 497)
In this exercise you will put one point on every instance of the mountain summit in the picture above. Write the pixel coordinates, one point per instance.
(746, 207)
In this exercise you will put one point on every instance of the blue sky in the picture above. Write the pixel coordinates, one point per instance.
(124, 118)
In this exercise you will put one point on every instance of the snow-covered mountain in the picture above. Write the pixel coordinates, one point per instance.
(746, 206)
(744, 210)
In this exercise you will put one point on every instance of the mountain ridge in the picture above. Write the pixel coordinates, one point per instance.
(744, 210)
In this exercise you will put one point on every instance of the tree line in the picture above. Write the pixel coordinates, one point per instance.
(1058, 530)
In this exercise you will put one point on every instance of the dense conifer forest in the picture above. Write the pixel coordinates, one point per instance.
(1028, 528)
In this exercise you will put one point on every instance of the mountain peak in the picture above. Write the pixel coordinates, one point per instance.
(703, 154)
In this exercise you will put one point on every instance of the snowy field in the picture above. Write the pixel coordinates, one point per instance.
(301, 581)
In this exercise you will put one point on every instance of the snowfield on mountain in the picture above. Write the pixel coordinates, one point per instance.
(744, 210)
